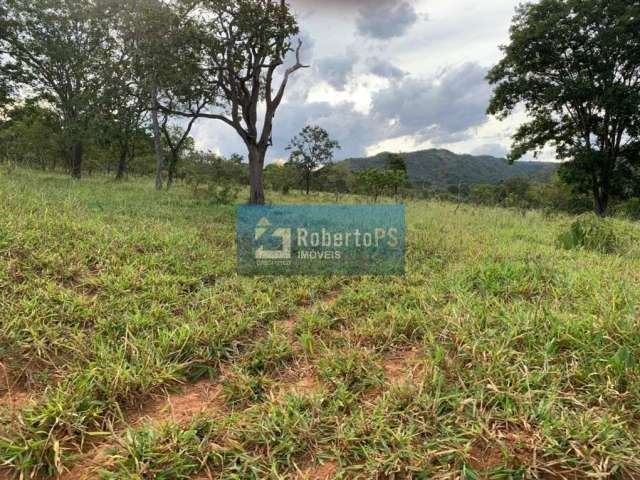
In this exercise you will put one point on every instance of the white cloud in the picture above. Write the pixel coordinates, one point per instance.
(396, 82)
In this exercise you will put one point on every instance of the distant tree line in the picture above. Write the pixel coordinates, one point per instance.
(113, 77)
(117, 85)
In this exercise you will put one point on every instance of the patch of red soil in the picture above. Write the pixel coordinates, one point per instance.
(400, 367)
(506, 444)
(181, 407)
(88, 466)
(483, 457)
(302, 385)
(289, 324)
(12, 396)
(326, 471)
(14, 400)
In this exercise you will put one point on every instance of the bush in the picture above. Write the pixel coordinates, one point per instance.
(225, 193)
(592, 233)
(218, 191)
(629, 209)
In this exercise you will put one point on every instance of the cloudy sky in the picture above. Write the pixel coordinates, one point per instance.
(391, 75)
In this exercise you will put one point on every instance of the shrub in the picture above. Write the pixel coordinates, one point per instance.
(225, 193)
(629, 209)
(592, 233)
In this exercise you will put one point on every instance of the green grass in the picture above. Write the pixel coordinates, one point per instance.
(524, 353)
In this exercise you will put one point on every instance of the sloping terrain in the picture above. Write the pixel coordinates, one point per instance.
(442, 168)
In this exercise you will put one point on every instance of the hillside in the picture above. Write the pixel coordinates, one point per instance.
(442, 167)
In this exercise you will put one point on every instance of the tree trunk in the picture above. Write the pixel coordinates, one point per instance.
(256, 165)
(173, 168)
(122, 164)
(76, 159)
(601, 201)
(600, 186)
(308, 181)
(157, 141)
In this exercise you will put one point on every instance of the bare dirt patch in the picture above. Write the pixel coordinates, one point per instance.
(483, 457)
(14, 400)
(304, 382)
(400, 367)
(12, 395)
(516, 445)
(326, 471)
(288, 325)
(88, 466)
(181, 407)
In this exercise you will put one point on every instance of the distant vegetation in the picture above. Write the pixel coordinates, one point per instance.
(90, 86)
(442, 168)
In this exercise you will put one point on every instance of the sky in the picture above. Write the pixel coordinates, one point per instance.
(391, 75)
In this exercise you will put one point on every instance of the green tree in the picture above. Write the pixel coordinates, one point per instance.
(372, 182)
(575, 66)
(395, 161)
(395, 179)
(311, 149)
(397, 168)
(58, 49)
(32, 136)
(178, 142)
(243, 45)
(123, 112)
(158, 38)
(282, 178)
(336, 178)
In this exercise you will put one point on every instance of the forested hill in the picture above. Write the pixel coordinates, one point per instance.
(442, 167)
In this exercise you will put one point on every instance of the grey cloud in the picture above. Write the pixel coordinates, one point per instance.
(354, 130)
(337, 70)
(438, 109)
(442, 110)
(336, 5)
(302, 81)
(386, 19)
(385, 69)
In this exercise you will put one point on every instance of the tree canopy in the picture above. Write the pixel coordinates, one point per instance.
(574, 66)
(243, 45)
(310, 149)
(59, 50)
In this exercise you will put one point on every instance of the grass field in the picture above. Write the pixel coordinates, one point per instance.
(130, 349)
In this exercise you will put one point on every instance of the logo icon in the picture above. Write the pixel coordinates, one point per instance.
(284, 234)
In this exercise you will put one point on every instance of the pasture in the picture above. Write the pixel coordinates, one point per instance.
(131, 349)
